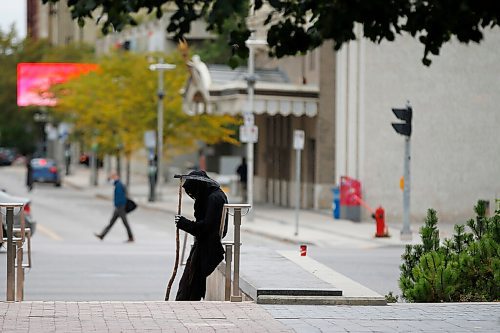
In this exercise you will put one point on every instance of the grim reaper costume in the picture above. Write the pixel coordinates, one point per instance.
(207, 251)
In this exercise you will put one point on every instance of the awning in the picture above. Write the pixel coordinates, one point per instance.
(219, 90)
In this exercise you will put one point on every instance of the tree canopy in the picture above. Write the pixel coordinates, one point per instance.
(296, 26)
(113, 107)
(17, 126)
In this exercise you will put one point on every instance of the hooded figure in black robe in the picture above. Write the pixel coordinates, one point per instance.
(207, 251)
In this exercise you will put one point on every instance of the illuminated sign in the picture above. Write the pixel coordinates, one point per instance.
(35, 79)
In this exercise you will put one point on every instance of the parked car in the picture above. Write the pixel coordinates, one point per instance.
(7, 156)
(45, 170)
(28, 218)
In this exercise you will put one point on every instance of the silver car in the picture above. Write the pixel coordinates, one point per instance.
(28, 218)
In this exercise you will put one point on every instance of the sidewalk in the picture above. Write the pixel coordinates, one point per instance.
(40, 317)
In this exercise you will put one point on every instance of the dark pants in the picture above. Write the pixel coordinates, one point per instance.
(243, 189)
(118, 212)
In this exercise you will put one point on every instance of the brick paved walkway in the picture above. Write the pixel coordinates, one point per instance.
(42, 317)
(401, 317)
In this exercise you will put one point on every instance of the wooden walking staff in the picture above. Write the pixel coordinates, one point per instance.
(176, 265)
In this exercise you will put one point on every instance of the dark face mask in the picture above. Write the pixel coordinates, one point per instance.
(192, 188)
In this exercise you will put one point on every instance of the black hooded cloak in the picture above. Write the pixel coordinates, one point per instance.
(207, 251)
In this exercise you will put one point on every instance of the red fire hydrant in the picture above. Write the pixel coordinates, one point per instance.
(379, 216)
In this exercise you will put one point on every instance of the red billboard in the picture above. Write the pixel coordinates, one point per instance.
(35, 79)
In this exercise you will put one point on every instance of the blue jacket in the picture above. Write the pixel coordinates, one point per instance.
(120, 195)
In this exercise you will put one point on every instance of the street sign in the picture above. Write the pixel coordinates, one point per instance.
(51, 132)
(298, 139)
(248, 119)
(249, 134)
(150, 139)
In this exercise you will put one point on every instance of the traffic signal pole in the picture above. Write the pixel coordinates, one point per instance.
(405, 129)
(406, 231)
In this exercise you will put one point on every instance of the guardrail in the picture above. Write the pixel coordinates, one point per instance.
(233, 252)
(16, 238)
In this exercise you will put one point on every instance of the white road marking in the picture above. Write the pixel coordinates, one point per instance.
(47, 232)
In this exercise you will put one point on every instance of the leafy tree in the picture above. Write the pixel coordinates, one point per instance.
(217, 50)
(297, 26)
(17, 127)
(114, 106)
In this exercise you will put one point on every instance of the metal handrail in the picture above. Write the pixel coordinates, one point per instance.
(15, 249)
(233, 252)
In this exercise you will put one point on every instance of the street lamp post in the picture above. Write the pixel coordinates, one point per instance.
(160, 67)
(249, 116)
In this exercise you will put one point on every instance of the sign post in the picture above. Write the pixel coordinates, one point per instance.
(249, 134)
(298, 145)
(150, 143)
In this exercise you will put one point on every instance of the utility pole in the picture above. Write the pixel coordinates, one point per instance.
(160, 67)
(404, 129)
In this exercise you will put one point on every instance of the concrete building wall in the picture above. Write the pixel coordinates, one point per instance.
(456, 126)
(325, 129)
(53, 22)
(150, 36)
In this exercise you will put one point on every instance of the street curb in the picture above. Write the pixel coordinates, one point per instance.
(320, 300)
(278, 238)
(72, 185)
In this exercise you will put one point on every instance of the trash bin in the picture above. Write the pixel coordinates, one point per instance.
(350, 193)
(336, 202)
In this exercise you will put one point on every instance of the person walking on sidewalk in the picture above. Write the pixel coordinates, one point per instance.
(242, 173)
(207, 251)
(120, 199)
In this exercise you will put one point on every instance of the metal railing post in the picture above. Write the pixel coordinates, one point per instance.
(20, 272)
(229, 256)
(11, 252)
(12, 245)
(236, 295)
(233, 251)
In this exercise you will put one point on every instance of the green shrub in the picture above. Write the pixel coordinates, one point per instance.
(463, 268)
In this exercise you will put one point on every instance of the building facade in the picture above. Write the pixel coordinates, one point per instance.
(455, 144)
(52, 21)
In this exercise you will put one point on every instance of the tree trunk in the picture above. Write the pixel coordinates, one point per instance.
(119, 164)
(127, 180)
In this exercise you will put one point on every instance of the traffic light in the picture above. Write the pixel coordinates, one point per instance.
(405, 115)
